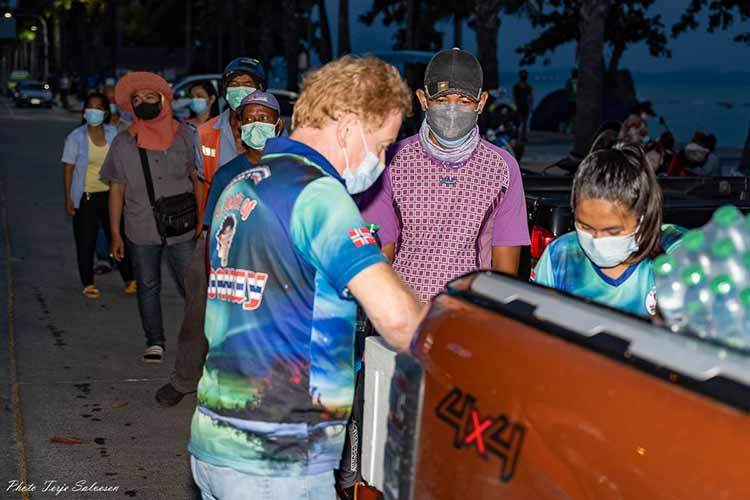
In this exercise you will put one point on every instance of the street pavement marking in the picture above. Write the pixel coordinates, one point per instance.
(16, 392)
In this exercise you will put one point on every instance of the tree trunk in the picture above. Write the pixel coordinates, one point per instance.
(411, 41)
(188, 34)
(57, 42)
(265, 49)
(590, 101)
(614, 61)
(345, 46)
(326, 48)
(745, 161)
(487, 26)
(291, 41)
(458, 31)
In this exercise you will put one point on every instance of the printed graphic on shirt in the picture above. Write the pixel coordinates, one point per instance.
(362, 236)
(224, 238)
(238, 286)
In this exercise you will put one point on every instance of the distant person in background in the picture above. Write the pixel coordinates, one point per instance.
(523, 97)
(117, 119)
(696, 158)
(571, 91)
(65, 90)
(204, 103)
(158, 144)
(449, 201)
(260, 115)
(87, 194)
(667, 144)
(617, 205)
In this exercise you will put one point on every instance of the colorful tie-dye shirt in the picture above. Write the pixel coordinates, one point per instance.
(565, 266)
(278, 382)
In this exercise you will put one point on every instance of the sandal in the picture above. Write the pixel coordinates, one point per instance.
(153, 354)
(91, 292)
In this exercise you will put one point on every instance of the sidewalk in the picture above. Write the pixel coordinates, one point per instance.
(85, 409)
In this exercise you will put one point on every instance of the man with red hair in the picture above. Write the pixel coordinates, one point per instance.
(151, 170)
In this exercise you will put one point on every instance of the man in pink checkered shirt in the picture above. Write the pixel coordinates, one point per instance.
(449, 202)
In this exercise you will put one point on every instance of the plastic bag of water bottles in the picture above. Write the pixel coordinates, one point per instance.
(704, 286)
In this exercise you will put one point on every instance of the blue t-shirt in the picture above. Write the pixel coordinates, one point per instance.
(278, 382)
(221, 179)
(565, 266)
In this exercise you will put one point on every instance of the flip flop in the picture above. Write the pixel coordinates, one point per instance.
(91, 292)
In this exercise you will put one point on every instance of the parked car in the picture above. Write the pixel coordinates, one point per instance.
(181, 102)
(515, 391)
(33, 93)
(12, 82)
(688, 202)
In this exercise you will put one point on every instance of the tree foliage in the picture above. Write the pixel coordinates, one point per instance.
(628, 23)
(721, 15)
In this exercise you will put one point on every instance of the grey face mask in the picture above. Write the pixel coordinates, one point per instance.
(451, 123)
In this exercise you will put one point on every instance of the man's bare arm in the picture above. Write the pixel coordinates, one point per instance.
(506, 259)
(392, 307)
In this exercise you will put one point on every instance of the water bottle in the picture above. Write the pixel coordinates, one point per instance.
(726, 261)
(728, 222)
(695, 250)
(670, 291)
(728, 313)
(745, 300)
(698, 301)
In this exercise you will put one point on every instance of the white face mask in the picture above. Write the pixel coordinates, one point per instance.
(607, 252)
(367, 172)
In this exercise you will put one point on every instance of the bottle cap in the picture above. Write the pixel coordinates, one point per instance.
(723, 249)
(693, 275)
(727, 215)
(722, 285)
(693, 240)
(745, 297)
(664, 265)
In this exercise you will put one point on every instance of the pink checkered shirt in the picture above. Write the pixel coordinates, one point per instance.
(445, 220)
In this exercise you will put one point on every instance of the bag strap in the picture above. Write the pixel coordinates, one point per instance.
(150, 188)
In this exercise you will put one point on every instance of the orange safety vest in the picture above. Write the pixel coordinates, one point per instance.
(210, 138)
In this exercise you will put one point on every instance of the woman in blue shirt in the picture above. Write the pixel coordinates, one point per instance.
(617, 202)
(86, 193)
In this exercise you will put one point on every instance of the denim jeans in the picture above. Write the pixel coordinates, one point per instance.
(146, 260)
(192, 345)
(221, 483)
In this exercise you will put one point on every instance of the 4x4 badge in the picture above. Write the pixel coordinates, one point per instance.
(496, 435)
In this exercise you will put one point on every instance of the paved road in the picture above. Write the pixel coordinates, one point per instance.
(70, 366)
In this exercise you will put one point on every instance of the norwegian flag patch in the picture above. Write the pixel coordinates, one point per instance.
(362, 236)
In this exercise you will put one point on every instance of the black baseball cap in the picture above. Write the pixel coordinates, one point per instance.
(453, 71)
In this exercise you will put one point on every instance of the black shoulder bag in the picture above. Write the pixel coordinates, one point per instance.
(174, 215)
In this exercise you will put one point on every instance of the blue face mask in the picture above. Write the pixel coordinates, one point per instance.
(235, 95)
(256, 134)
(113, 108)
(198, 105)
(94, 117)
(367, 172)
